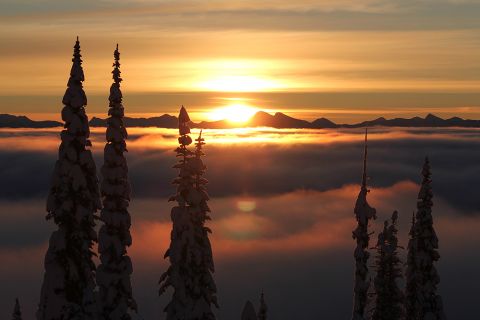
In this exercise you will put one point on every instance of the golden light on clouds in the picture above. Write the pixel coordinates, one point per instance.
(246, 205)
(235, 113)
(243, 83)
(247, 75)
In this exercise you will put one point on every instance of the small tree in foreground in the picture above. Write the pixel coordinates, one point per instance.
(388, 296)
(69, 281)
(17, 314)
(248, 312)
(113, 274)
(263, 309)
(190, 252)
(363, 213)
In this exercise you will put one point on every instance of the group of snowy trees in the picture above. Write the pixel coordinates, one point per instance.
(420, 300)
(190, 252)
(74, 288)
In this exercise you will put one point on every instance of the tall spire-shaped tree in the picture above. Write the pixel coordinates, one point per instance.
(69, 281)
(113, 274)
(363, 213)
(411, 300)
(426, 249)
(388, 296)
(190, 253)
(17, 314)
(263, 309)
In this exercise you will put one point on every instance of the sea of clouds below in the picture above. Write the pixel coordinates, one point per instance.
(293, 238)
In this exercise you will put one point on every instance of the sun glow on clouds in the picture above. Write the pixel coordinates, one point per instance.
(229, 83)
(46, 140)
(249, 75)
(236, 113)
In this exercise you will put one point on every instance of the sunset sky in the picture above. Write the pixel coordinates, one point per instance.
(344, 59)
(282, 200)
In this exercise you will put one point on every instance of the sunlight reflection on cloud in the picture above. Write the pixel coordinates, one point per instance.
(162, 138)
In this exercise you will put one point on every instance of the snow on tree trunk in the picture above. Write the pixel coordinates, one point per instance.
(262, 311)
(363, 213)
(113, 274)
(190, 252)
(388, 296)
(17, 314)
(248, 312)
(412, 305)
(430, 306)
(69, 281)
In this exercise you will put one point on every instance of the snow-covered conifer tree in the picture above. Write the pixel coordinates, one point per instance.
(190, 253)
(17, 314)
(363, 213)
(426, 249)
(411, 301)
(113, 274)
(248, 312)
(388, 296)
(69, 280)
(263, 309)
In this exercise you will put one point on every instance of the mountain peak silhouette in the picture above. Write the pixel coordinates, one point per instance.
(279, 120)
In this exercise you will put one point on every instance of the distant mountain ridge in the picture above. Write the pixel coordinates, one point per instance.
(260, 119)
(10, 121)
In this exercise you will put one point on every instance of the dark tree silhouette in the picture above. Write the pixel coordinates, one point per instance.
(430, 306)
(69, 281)
(17, 314)
(412, 305)
(113, 274)
(388, 296)
(248, 312)
(263, 309)
(363, 213)
(190, 253)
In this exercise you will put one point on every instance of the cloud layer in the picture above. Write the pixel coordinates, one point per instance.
(282, 204)
(296, 246)
(265, 161)
(282, 211)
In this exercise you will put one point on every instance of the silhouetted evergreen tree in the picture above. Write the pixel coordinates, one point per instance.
(412, 305)
(248, 312)
(17, 314)
(426, 254)
(69, 281)
(363, 213)
(113, 274)
(262, 311)
(190, 253)
(388, 296)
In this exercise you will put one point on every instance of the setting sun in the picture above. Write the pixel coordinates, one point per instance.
(237, 113)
